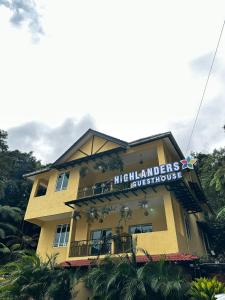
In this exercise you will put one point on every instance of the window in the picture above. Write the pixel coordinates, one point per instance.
(42, 186)
(187, 225)
(61, 235)
(62, 181)
(142, 228)
(101, 241)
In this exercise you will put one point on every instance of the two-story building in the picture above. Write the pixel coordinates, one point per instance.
(105, 195)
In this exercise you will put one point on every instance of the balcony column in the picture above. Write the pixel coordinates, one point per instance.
(161, 153)
(170, 217)
(112, 247)
(75, 178)
(71, 235)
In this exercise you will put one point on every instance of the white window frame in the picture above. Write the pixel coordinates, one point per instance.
(58, 243)
(63, 178)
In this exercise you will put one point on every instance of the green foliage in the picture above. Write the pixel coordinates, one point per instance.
(211, 169)
(10, 217)
(14, 194)
(14, 189)
(123, 278)
(31, 278)
(215, 229)
(3, 142)
(206, 289)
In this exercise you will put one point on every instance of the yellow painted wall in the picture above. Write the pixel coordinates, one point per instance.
(162, 240)
(46, 239)
(180, 227)
(86, 148)
(53, 202)
(196, 244)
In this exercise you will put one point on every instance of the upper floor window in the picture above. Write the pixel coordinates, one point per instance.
(62, 181)
(142, 228)
(42, 186)
(61, 235)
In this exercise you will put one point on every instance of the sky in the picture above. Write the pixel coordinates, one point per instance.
(129, 69)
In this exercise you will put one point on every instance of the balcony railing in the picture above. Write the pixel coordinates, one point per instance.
(116, 245)
(101, 188)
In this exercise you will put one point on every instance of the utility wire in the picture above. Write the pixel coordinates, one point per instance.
(204, 91)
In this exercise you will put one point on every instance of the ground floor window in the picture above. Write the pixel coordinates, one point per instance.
(61, 235)
(140, 228)
(101, 241)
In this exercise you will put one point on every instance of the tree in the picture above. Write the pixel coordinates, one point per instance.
(3, 143)
(30, 278)
(122, 278)
(211, 169)
(14, 194)
(10, 217)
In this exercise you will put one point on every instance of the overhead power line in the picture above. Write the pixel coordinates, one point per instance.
(204, 90)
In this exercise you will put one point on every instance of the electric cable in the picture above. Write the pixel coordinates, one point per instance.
(204, 90)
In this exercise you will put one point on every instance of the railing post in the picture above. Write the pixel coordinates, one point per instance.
(112, 247)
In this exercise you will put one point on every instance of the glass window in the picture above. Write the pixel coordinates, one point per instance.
(62, 181)
(101, 241)
(61, 235)
(141, 228)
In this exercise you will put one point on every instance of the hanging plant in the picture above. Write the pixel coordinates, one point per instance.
(92, 214)
(104, 211)
(144, 205)
(101, 166)
(83, 171)
(76, 215)
(125, 213)
(115, 163)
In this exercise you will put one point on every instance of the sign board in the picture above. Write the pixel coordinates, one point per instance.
(156, 175)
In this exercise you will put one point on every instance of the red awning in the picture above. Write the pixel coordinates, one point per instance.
(140, 259)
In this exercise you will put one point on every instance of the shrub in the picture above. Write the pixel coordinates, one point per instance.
(206, 289)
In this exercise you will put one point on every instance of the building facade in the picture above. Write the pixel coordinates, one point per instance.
(104, 195)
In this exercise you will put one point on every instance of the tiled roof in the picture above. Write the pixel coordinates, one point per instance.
(140, 259)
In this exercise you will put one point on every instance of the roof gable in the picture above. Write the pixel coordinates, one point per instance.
(91, 142)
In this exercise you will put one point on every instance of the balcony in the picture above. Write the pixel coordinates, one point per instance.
(108, 191)
(101, 188)
(117, 244)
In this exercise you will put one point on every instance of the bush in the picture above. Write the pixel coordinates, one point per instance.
(206, 289)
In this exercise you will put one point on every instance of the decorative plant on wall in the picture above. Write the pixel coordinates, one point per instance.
(103, 212)
(144, 205)
(84, 171)
(92, 214)
(101, 166)
(115, 163)
(76, 215)
(125, 213)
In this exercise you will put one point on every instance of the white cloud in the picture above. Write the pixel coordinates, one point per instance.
(208, 133)
(25, 11)
(126, 63)
(47, 143)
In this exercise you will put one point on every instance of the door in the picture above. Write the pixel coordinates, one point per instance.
(101, 241)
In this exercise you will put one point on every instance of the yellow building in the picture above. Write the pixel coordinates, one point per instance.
(104, 195)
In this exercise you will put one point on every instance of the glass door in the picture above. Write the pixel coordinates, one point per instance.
(101, 241)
